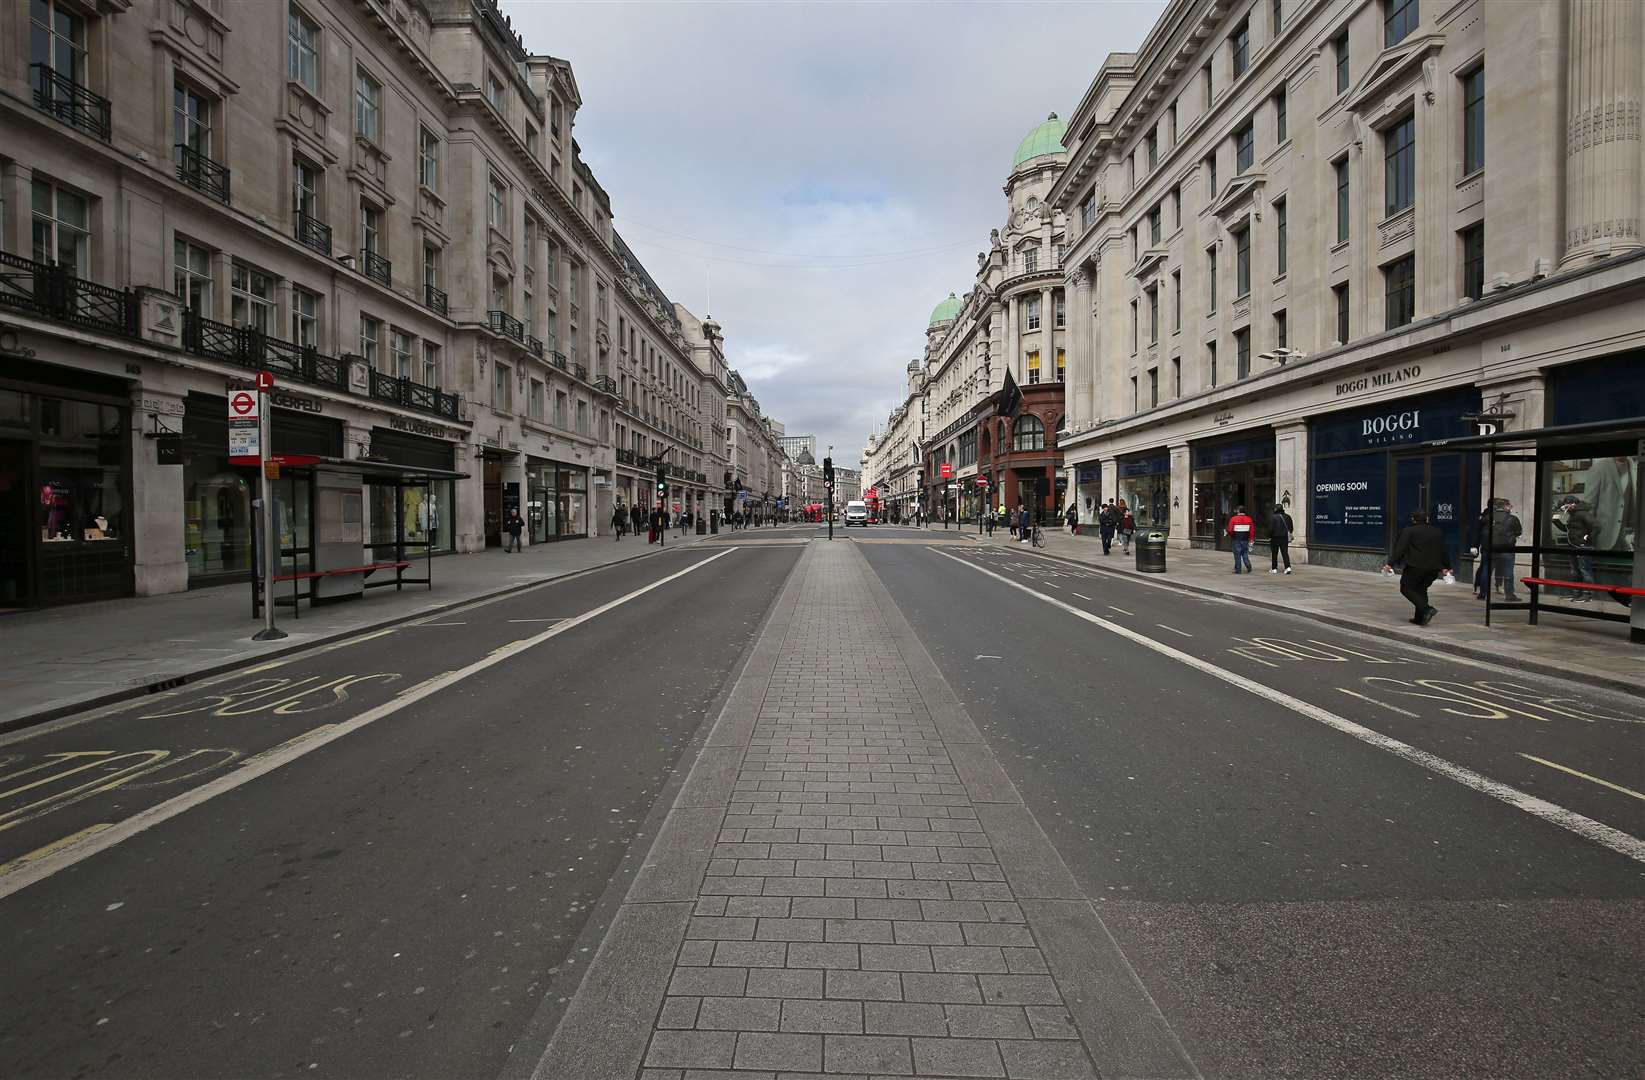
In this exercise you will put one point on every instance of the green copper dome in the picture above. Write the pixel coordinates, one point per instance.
(1043, 140)
(947, 311)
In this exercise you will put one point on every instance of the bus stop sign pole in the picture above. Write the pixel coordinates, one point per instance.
(271, 547)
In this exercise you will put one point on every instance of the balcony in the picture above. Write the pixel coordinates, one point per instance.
(501, 322)
(48, 290)
(377, 268)
(625, 457)
(314, 233)
(558, 360)
(435, 300)
(580, 371)
(201, 173)
(248, 348)
(535, 344)
(413, 395)
(606, 385)
(70, 103)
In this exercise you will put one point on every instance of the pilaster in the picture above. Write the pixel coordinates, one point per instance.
(160, 563)
(1291, 482)
(1182, 496)
(1604, 76)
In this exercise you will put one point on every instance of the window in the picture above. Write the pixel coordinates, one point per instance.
(582, 417)
(1339, 295)
(560, 409)
(502, 388)
(431, 364)
(1242, 261)
(1061, 305)
(1399, 18)
(251, 298)
(1281, 331)
(57, 37)
(368, 106)
(1340, 168)
(1134, 393)
(1131, 171)
(1030, 260)
(1176, 207)
(536, 404)
(1245, 147)
(1281, 240)
(554, 117)
(431, 267)
(1062, 365)
(1211, 175)
(1473, 121)
(1134, 323)
(371, 341)
(1088, 211)
(61, 228)
(1154, 226)
(190, 121)
(371, 226)
(1399, 166)
(1027, 433)
(1136, 246)
(1400, 279)
(1211, 279)
(1339, 49)
(1153, 388)
(399, 343)
(1239, 43)
(1153, 149)
(305, 187)
(1281, 128)
(1211, 359)
(1153, 315)
(531, 141)
(305, 318)
(191, 276)
(1176, 300)
(528, 302)
(1031, 313)
(494, 91)
(1278, 17)
(1242, 353)
(1206, 87)
(1473, 261)
(1176, 376)
(497, 205)
(303, 51)
(428, 159)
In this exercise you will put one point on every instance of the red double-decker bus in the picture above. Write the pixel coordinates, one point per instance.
(872, 498)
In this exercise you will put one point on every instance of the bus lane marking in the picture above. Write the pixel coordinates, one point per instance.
(1378, 704)
(1488, 700)
(143, 766)
(1583, 775)
(1598, 832)
(247, 699)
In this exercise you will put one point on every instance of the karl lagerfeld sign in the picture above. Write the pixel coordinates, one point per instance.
(1376, 380)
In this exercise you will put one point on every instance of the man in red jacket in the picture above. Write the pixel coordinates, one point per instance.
(1242, 529)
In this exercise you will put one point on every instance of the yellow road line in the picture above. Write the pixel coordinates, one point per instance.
(1583, 775)
(56, 845)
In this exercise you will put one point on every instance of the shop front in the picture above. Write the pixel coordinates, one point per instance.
(1144, 482)
(65, 488)
(557, 503)
(1363, 487)
(427, 510)
(1228, 474)
(1088, 489)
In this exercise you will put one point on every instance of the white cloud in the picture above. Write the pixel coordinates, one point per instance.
(843, 161)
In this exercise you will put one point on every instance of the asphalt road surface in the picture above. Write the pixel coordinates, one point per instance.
(1325, 854)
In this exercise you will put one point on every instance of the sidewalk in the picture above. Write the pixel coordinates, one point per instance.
(1590, 650)
(849, 885)
(65, 659)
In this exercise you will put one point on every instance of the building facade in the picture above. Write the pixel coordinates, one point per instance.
(389, 213)
(1303, 236)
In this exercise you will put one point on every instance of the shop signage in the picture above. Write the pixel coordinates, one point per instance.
(422, 427)
(285, 399)
(1225, 417)
(947, 470)
(1090, 474)
(1378, 379)
(168, 450)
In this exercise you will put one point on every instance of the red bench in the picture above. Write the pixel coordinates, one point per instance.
(298, 595)
(1616, 592)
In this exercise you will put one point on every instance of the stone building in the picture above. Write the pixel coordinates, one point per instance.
(1305, 235)
(892, 459)
(387, 210)
(754, 456)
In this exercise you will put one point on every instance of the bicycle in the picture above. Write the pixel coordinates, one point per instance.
(1038, 537)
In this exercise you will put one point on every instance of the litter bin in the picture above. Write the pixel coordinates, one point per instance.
(1150, 552)
(702, 527)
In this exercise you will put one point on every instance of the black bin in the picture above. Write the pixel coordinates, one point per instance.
(702, 527)
(1150, 552)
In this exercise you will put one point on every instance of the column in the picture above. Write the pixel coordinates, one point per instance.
(1182, 496)
(1110, 479)
(1081, 356)
(16, 203)
(160, 564)
(1011, 352)
(1291, 485)
(1605, 70)
(1048, 349)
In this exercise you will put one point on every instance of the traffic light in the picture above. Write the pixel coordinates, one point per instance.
(828, 471)
(662, 484)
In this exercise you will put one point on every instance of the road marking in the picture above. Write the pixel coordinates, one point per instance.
(1082, 596)
(1173, 630)
(56, 845)
(437, 624)
(266, 762)
(988, 656)
(1583, 775)
(1374, 701)
(1618, 841)
(1121, 610)
(532, 620)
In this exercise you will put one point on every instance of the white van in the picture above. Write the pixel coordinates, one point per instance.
(856, 513)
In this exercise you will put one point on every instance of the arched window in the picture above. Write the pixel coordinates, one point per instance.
(1028, 433)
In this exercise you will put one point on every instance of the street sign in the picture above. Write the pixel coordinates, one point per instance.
(946, 470)
(243, 441)
(242, 405)
(265, 381)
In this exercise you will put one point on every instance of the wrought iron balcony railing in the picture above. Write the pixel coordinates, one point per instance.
(434, 300)
(314, 233)
(49, 290)
(71, 103)
(377, 268)
(412, 395)
(625, 457)
(580, 371)
(535, 345)
(201, 173)
(246, 347)
(606, 385)
(501, 322)
(558, 360)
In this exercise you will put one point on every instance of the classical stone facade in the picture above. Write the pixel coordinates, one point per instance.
(755, 457)
(1304, 235)
(381, 202)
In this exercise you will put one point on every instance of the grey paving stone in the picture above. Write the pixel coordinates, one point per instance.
(903, 1018)
(921, 890)
(974, 958)
(793, 886)
(896, 958)
(691, 1050)
(790, 930)
(803, 954)
(889, 909)
(944, 988)
(739, 1014)
(695, 954)
(860, 930)
(678, 1012)
(864, 985)
(721, 982)
(1051, 1022)
(837, 1016)
(750, 954)
(927, 933)
(987, 1022)
(1025, 961)
(786, 982)
(763, 1050)
(1046, 1061)
(1012, 934)
(1019, 990)
(824, 907)
(770, 907)
(719, 928)
(876, 1054)
(710, 905)
(957, 1057)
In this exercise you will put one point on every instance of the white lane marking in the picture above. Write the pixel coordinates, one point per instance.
(988, 656)
(532, 620)
(269, 760)
(1597, 831)
(1173, 630)
(1121, 610)
(1082, 596)
(1374, 701)
(418, 624)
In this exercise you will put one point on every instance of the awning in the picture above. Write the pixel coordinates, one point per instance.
(1630, 429)
(381, 470)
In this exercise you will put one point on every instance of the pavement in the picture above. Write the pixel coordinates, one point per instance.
(65, 659)
(1594, 650)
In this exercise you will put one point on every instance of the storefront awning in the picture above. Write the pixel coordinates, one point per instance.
(1630, 429)
(383, 470)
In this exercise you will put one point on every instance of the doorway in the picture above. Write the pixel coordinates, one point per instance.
(1438, 485)
(494, 502)
(15, 527)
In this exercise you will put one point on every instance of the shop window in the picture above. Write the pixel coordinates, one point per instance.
(1027, 433)
(251, 298)
(82, 499)
(61, 228)
(191, 276)
(1399, 166)
(1473, 261)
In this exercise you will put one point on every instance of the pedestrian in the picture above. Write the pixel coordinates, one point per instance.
(988, 519)
(1421, 547)
(1127, 524)
(619, 519)
(1580, 527)
(1279, 539)
(1241, 528)
(1072, 517)
(660, 525)
(1105, 526)
(1502, 532)
(1024, 525)
(514, 526)
(638, 517)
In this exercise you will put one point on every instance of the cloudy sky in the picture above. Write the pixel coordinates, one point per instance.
(827, 172)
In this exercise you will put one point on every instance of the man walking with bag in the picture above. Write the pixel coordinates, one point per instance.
(1279, 539)
(1421, 547)
(1105, 526)
(1241, 528)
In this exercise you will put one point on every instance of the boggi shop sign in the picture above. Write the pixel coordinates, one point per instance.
(1393, 424)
